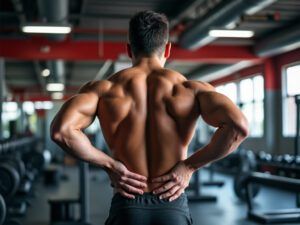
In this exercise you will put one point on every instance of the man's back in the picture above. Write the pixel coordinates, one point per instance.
(148, 115)
(148, 118)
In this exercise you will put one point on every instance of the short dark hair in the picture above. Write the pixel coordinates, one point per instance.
(148, 33)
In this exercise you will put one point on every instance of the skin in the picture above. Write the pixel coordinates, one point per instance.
(148, 116)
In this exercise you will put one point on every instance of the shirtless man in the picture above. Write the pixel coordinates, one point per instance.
(148, 116)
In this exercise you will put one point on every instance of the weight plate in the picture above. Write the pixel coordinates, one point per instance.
(239, 187)
(9, 180)
(16, 163)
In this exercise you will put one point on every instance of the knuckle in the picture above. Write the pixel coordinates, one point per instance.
(130, 189)
(174, 175)
(123, 172)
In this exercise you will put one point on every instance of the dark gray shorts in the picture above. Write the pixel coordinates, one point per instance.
(148, 209)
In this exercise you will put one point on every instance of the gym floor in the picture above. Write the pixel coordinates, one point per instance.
(228, 208)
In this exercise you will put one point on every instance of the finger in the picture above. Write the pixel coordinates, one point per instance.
(125, 194)
(165, 187)
(131, 189)
(136, 176)
(134, 183)
(176, 195)
(163, 178)
(170, 192)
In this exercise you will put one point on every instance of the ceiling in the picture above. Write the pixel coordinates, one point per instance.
(107, 20)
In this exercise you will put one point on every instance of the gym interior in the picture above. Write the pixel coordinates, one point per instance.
(249, 50)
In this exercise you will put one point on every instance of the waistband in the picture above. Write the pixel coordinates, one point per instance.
(149, 201)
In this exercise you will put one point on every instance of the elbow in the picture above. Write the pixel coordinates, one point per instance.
(56, 136)
(241, 128)
(58, 133)
(244, 128)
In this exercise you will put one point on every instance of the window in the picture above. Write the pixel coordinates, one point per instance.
(249, 95)
(291, 87)
(10, 115)
(230, 90)
(252, 103)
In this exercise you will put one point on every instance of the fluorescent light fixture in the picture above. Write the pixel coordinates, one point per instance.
(57, 95)
(55, 87)
(45, 72)
(46, 28)
(10, 106)
(231, 33)
(258, 7)
(43, 105)
(28, 107)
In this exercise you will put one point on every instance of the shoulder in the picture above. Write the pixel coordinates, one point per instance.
(199, 87)
(174, 74)
(96, 87)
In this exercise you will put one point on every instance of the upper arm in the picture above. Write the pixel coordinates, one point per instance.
(218, 110)
(80, 110)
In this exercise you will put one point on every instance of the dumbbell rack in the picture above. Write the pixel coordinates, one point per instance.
(13, 170)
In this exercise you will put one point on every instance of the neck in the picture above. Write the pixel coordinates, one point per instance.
(150, 62)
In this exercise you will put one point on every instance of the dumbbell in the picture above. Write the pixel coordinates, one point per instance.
(264, 157)
(288, 159)
(297, 161)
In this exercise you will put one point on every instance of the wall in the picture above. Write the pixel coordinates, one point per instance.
(273, 140)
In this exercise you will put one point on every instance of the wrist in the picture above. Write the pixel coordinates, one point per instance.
(189, 166)
(109, 164)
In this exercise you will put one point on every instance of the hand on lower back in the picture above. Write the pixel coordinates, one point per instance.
(174, 182)
(125, 182)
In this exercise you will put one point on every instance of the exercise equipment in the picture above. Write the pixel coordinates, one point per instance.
(239, 187)
(9, 180)
(15, 182)
(62, 210)
(15, 162)
(211, 181)
(195, 186)
(2, 210)
(276, 216)
(247, 164)
(52, 175)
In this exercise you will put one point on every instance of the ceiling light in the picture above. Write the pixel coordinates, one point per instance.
(43, 105)
(231, 33)
(45, 72)
(46, 28)
(55, 87)
(57, 95)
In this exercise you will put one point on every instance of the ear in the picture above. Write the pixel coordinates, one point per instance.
(167, 50)
(128, 48)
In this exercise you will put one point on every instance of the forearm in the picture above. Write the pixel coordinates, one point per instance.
(76, 143)
(225, 140)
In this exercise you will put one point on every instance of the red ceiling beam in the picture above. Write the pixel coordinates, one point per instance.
(40, 98)
(36, 49)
